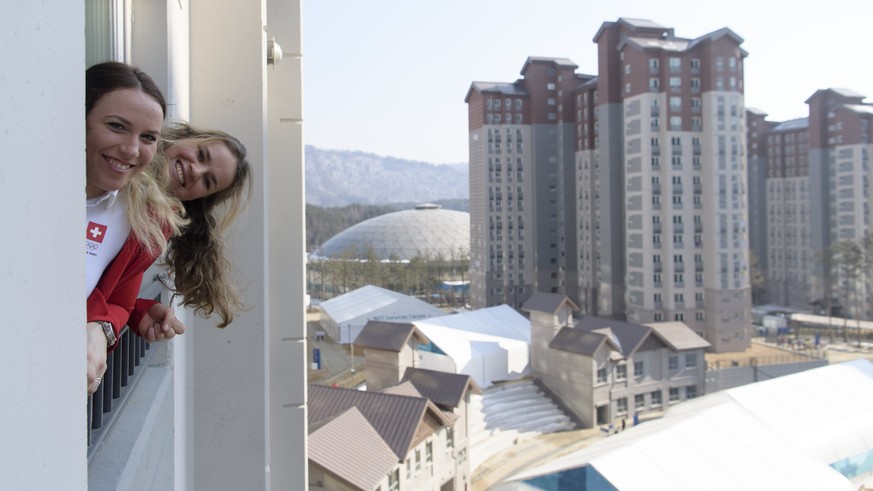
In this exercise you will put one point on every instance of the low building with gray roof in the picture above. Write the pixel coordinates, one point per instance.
(606, 370)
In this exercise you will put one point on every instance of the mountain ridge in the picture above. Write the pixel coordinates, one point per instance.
(336, 178)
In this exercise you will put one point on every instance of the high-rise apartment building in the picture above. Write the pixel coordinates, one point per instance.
(817, 193)
(522, 222)
(634, 182)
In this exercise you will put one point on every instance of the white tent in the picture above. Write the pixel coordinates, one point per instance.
(807, 431)
(349, 313)
(487, 344)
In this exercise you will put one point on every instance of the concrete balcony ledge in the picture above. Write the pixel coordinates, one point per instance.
(138, 449)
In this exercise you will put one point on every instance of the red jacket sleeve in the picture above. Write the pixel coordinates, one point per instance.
(114, 296)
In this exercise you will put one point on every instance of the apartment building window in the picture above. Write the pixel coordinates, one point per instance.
(601, 375)
(675, 122)
(690, 360)
(695, 84)
(497, 104)
(674, 394)
(691, 392)
(654, 64)
(656, 278)
(680, 317)
(394, 480)
(655, 396)
(673, 362)
(408, 469)
(679, 297)
(621, 372)
(621, 405)
(639, 402)
(694, 63)
(417, 460)
(659, 316)
(675, 82)
(428, 452)
(696, 123)
(656, 162)
(654, 84)
(695, 104)
(675, 103)
(450, 438)
(699, 316)
(675, 64)
(638, 368)
(627, 69)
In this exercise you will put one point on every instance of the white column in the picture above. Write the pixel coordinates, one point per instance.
(286, 251)
(42, 182)
(229, 371)
(249, 389)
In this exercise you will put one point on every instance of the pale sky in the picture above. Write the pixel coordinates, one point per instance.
(389, 76)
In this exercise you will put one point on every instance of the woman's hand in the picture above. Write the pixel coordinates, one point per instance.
(96, 346)
(159, 324)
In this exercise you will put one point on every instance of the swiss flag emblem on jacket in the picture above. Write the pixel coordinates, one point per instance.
(95, 232)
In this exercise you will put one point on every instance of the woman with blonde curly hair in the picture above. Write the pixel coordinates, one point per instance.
(207, 170)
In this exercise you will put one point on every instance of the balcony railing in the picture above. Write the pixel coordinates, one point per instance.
(121, 375)
(123, 369)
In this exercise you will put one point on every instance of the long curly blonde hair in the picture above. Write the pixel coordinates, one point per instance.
(196, 258)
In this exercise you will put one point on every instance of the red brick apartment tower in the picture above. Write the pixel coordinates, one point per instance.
(840, 135)
(521, 203)
(670, 163)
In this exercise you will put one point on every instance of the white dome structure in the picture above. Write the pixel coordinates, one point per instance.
(426, 231)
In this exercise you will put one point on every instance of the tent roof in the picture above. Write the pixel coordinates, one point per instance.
(368, 299)
(776, 434)
(479, 334)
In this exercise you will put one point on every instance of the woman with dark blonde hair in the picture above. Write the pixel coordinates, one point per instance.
(129, 216)
(207, 170)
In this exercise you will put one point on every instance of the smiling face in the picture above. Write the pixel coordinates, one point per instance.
(121, 137)
(199, 168)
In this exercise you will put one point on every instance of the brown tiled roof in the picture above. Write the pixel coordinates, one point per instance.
(547, 302)
(678, 336)
(578, 341)
(388, 336)
(394, 417)
(403, 389)
(349, 448)
(444, 389)
(627, 335)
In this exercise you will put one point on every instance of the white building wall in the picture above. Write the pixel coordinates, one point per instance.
(42, 289)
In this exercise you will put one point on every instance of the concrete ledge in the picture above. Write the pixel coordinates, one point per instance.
(137, 452)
